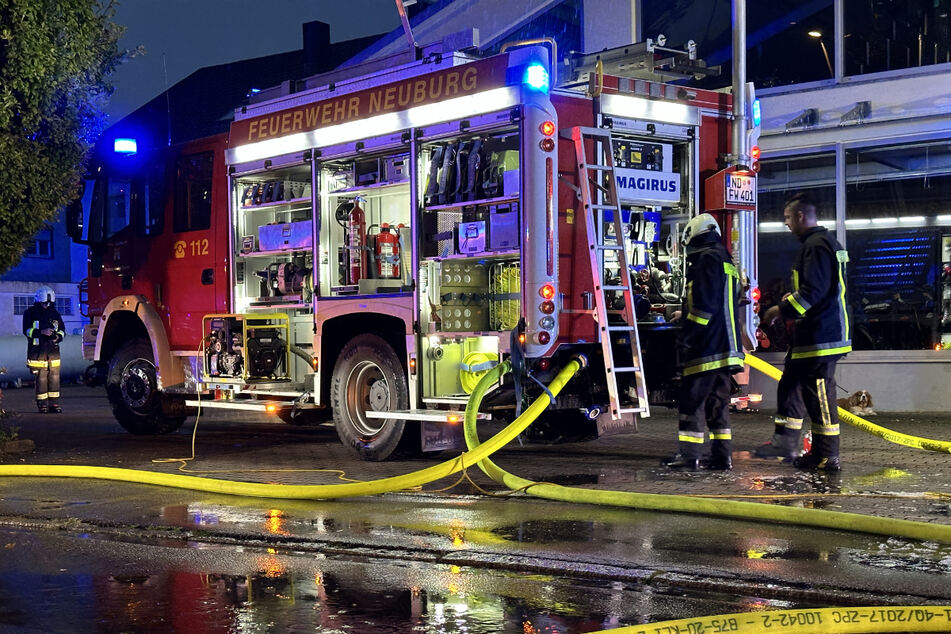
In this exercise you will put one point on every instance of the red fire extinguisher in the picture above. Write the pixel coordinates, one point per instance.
(387, 253)
(356, 243)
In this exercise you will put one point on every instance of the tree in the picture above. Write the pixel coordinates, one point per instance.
(56, 57)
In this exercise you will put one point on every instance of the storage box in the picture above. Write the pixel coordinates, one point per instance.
(396, 168)
(503, 227)
(471, 237)
(288, 235)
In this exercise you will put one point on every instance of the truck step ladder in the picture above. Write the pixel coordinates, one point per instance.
(598, 185)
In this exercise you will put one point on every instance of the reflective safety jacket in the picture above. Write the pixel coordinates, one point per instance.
(42, 347)
(818, 298)
(711, 338)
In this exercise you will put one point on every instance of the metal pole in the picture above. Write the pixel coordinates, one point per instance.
(741, 153)
(414, 48)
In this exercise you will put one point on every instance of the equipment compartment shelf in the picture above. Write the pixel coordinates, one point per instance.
(277, 203)
(370, 189)
(272, 253)
(472, 203)
(482, 255)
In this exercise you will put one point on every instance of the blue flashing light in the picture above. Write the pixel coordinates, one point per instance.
(757, 115)
(125, 146)
(536, 77)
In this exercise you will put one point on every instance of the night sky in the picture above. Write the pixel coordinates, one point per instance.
(191, 34)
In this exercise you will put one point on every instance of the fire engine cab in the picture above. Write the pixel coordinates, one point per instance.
(364, 249)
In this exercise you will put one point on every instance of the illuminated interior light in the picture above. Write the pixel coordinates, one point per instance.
(547, 291)
(270, 409)
(943, 218)
(828, 224)
(884, 221)
(771, 225)
(453, 418)
(640, 108)
(536, 77)
(471, 105)
(856, 222)
(125, 146)
(547, 128)
(912, 219)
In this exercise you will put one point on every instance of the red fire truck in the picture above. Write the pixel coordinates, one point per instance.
(364, 249)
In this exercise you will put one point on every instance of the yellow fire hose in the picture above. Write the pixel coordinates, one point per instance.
(685, 504)
(899, 618)
(941, 446)
(313, 491)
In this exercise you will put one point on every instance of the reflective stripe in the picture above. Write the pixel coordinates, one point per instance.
(689, 436)
(831, 430)
(794, 423)
(795, 280)
(41, 397)
(823, 402)
(729, 269)
(798, 303)
(727, 360)
(722, 435)
(843, 256)
(53, 394)
(54, 363)
(728, 305)
(703, 321)
(815, 351)
(37, 364)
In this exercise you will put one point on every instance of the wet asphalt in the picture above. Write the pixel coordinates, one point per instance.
(655, 565)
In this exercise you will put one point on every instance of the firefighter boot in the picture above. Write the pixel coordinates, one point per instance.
(782, 446)
(55, 408)
(814, 462)
(41, 407)
(720, 458)
(680, 462)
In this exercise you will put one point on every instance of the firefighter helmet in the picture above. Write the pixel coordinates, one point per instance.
(45, 294)
(699, 225)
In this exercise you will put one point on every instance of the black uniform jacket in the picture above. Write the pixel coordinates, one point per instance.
(39, 346)
(711, 338)
(818, 297)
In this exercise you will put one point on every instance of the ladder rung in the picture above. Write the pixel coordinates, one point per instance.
(626, 369)
(631, 410)
(610, 247)
(595, 132)
(605, 207)
(615, 288)
(597, 166)
(620, 328)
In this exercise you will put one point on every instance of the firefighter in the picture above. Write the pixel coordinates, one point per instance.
(820, 338)
(43, 327)
(710, 346)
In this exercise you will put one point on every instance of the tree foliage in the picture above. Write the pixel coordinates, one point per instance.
(56, 58)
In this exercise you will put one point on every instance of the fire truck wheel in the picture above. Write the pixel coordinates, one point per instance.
(368, 376)
(132, 389)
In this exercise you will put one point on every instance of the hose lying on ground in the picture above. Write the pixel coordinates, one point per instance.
(686, 504)
(313, 491)
(941, 446)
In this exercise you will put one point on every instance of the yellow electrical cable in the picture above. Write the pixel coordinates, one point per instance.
(899, 618)
(686, 504)
(314, 491)
(941, 446)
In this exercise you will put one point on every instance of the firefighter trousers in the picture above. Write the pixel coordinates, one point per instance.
(808, 387)
(705, 401)
(46, 380)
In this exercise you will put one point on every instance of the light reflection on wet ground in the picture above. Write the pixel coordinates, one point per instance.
(101, 585)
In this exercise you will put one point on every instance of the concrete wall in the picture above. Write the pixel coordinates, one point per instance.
(898, 381)
(13, 359)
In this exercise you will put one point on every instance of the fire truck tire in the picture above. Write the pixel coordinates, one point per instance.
(368, 375)
(131, 384)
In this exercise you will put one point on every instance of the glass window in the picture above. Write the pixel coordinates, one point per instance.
(778, 180)
(193, 176)
(64, 305)
(118, 197)
(21, 303)
(883, 36)
(898, 223)
(40, 245)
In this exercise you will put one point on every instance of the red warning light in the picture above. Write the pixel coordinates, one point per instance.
(547, 128)
(547, 291)
(756, 294)
(543, 337)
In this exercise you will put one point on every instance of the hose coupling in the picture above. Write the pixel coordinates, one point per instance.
(582, 360)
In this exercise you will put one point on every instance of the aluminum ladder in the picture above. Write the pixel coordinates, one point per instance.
(620, 339)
